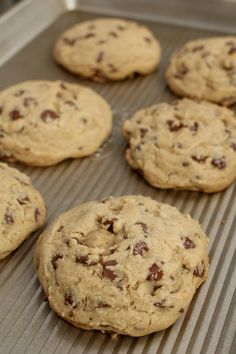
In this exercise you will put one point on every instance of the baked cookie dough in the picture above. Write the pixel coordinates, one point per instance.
(126, 265)
(22, 209)
(108, 49)
(45, 122)
(184, 145)
(205, 69)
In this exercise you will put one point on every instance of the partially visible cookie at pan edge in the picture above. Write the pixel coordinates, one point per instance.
(189, 145)
(45, 122)
(126, 265)
(108, 49)
(22, 209)
(205, 69)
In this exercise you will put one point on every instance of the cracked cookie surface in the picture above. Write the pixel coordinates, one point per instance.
(108, 49)
(45, 122)
(186, 145)
(205, 69)
(128, 265)
(22, 209)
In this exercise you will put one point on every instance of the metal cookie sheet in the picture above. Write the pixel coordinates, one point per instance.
(27, 325)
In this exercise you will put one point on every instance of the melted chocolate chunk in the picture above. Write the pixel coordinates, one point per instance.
(194, 127)
(113, 34)
(143, 132)
(155, 273)
(144, 227)
(9, 218)
(108, 273)
(181, 72)
(15, 114)
(232, 50)
(23, 201)
(19, 93)
(155, 288)
(69, 41)
(187, 242)
(199, 158)
(48, 115)
(174, 127)
(110, 224)
(198, 272)
(220, 163)
(100, 57)
(68, 300)
(30, 101)
(55, 259)
(36, 214)
(197, 48)
(185, 163)
(162, 304)
(82, 259)
(140, 248)
(233, 146)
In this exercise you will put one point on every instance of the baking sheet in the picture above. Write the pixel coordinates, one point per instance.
(27, 323)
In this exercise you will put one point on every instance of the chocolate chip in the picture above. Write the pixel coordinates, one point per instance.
(110, 224)
(101, 305)
(194, 127)
(99, 57)
(101, 42)
(36, 214)
(198, 272)
(162, 304)
(181, 71)
(185, 163)
(219, 163)
(187, 242)
(69, 41)
(89, 35)
(9, 218)
(140, 248)
(181, 310)
(107, 273)
(48, 115)
(232, 50)
(155, 288)
(99, 76)
(143, 132)
(55, 259)
(30, 101)
(1, 110)
(23, 201)
(233, 146)
(60, 228)
(199, 158)
(19, 93)
(121, 28)
(112, 68)
(63, 86)
(113, 34)
(147, 39)
(197, 48)
(174, 127)
(15, 114)
(82, 259)
(144, 227)
(68, 300)
(155, 273)
(2, 133)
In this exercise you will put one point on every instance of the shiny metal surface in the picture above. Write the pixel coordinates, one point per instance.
(27, 323)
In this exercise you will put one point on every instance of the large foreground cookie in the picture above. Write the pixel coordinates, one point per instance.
(128, 265)
(184, 145)
(205, 69)
(22, 209)
(108, 49)
(45, 122)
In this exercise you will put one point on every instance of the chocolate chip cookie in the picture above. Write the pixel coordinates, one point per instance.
(45, 122)
(126, 265)
(108, 49)
(205, 69)
(22, 209)
(187, 145)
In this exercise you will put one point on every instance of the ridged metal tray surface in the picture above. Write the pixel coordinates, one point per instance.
(27, 323)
